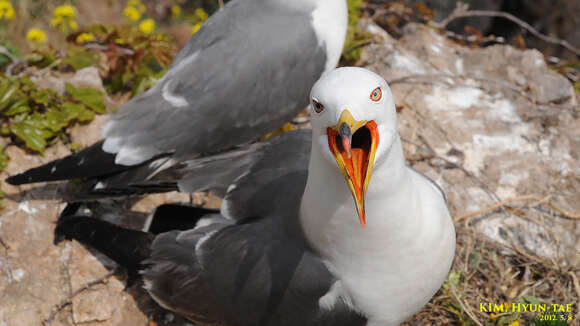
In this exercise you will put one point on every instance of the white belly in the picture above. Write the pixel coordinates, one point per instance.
(393, 267)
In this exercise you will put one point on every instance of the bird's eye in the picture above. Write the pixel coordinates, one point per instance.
(318, 107)
(377, 94)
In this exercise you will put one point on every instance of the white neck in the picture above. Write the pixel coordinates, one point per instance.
(330, 21)
(377, 265)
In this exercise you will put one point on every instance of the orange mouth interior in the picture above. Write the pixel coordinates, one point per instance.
(356, 168)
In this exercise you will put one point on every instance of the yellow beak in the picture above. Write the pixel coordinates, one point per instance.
(353, 144)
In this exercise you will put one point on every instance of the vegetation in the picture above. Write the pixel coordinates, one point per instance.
(354, 37)
(129, 57)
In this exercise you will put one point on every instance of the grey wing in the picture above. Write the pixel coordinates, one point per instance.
(248, 274)
(285, 155)
(236, 174)
(239, 174)
(245, 73)
(256, 270)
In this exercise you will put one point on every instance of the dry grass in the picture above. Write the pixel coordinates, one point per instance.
(487, 272)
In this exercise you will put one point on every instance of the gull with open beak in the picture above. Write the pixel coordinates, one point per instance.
(392, 265)
(355, 163)
(290, 246)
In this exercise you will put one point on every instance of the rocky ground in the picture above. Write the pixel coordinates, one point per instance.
(487, 124)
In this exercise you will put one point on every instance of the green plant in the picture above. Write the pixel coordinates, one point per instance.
(134, 60)
(354, 36)
(36, 117)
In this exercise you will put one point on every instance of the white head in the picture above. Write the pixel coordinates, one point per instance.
(354, 124)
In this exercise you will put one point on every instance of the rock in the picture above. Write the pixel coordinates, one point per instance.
(86, 135)
(55, 80)
(505, 118)
(103, 302)
(88, 77)
(36, 276)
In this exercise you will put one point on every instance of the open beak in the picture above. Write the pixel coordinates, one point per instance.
(354, 144)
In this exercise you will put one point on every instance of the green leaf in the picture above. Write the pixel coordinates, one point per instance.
(33, 130)
(531, 299)
(77, 111)
(13, 50)
(352, 49)
(474, 260)
(80, 58)
(32, 133)
(3, 159)
(454, 277)
(40, 58)
(56, 120)
(86, 115)
(7, 91)
(18, 107)
(91, 97)
(74, 146)
(4, 130)
(43, 96)
(508, 319)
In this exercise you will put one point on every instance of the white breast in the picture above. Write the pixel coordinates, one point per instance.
(391, 268)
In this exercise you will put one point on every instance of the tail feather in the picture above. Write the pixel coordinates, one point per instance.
(88, 163)
(128, 248)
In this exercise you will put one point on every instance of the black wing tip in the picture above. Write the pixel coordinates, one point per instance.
(129, 248)
(65, 228)
(43, 173)
(18, 179)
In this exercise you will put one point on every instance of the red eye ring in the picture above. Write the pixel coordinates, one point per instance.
(318, 107)
(376, 94)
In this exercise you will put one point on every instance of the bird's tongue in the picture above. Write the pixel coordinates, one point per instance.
(356, 161)
(356, 167)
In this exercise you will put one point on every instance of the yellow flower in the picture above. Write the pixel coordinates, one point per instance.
(147, 26)
(65, 11)
(515, 323)
(36, 35)
(492, 316)
(137, 5)
(201, 14)
(132, 13)
(196, 28)
(85, 38)
(56, 21)
(63, 18)
(175, 11)
(6, 10)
